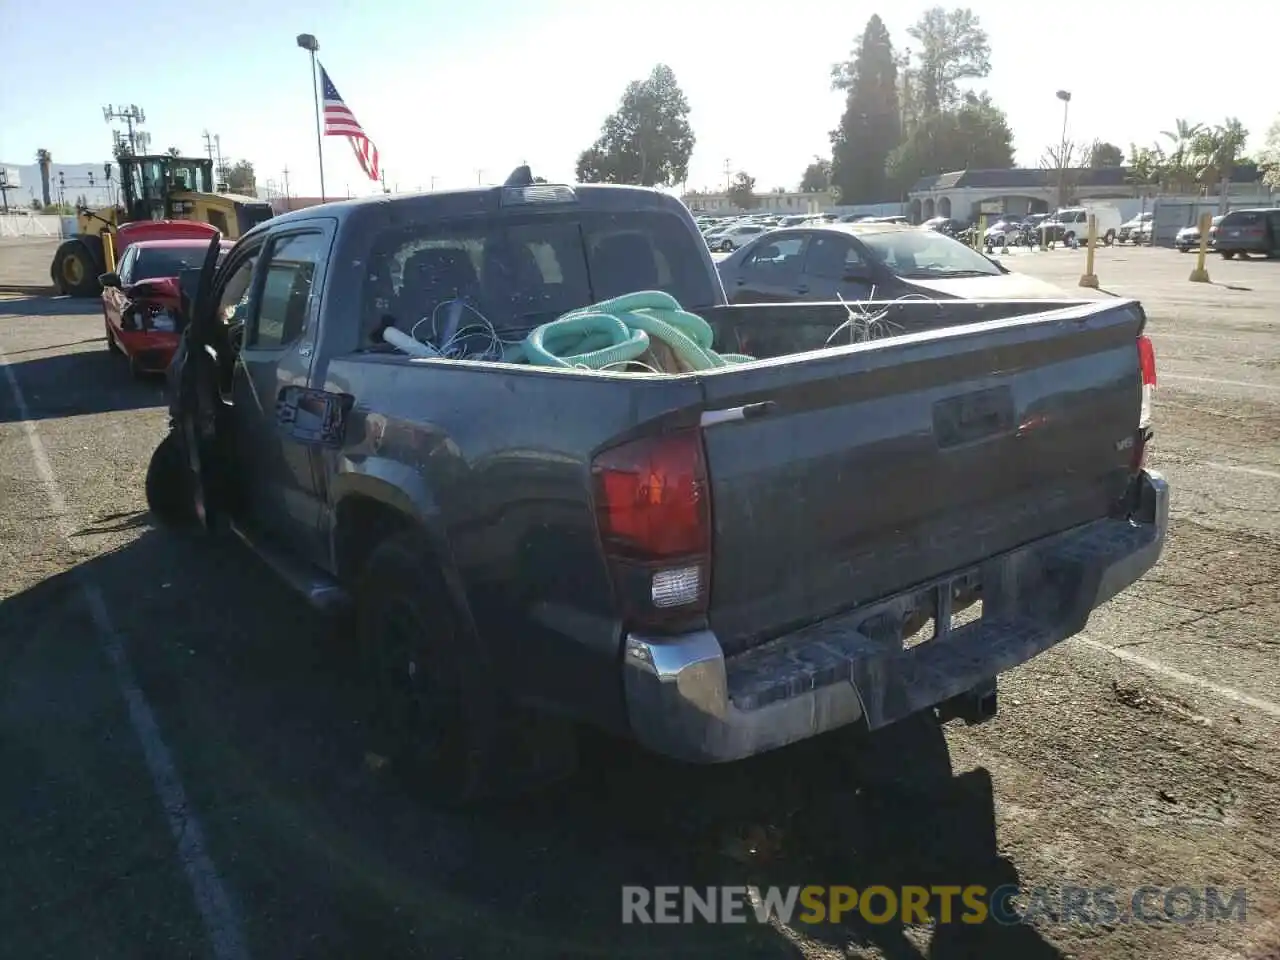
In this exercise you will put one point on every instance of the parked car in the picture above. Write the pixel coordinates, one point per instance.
(1073, 223)
(1188, 238)
(943, 225)
(526, 548)
(1244, 232)
(868, 261)
(141, 300)
(999, 233)
(734, 237)
(1125, 233)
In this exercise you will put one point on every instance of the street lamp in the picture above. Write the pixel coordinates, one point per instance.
(309, 43)
(1065, 97)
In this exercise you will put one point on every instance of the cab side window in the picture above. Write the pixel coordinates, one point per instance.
(291, 264)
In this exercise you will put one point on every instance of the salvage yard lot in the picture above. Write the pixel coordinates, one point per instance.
(1144, 752)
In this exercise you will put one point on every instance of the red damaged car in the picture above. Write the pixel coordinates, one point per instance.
(141, 300)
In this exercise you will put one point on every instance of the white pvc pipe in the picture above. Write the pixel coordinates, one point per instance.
(407, 344)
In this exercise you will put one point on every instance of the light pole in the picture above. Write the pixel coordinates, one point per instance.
(1065, 97)
(309, 43)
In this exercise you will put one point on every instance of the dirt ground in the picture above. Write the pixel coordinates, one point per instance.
(184, 757)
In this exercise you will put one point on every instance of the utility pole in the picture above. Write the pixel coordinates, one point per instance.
(384, 181)
(728, 174)
(132, 115)
(208, 146)
(479, 178)
(286, 187)
(433, 183)
(219, 167)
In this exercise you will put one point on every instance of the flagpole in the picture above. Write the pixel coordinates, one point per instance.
(307, 42)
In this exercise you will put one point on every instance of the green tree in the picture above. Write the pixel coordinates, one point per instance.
(974, 136)
(871, 126)
(241, 179)
(817, 176)
(1146, 167)
(952, 47)
(648, 140)
(1217, 151)
(1103, 154)
(1269, 159)
(742, 192)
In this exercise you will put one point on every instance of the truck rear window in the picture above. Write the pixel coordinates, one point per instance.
(524, 270)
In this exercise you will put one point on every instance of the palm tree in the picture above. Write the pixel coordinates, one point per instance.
(1217, 149)
(1182, 136)
(45, 159)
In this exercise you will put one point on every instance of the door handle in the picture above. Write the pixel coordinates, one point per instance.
(802, 288)
(741, 281)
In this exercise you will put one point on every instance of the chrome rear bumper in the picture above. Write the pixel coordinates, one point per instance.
(687, 701)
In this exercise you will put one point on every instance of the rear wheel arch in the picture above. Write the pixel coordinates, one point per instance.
(372, 514)
(361, 522)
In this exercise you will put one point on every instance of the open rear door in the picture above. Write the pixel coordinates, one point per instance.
(194, 379)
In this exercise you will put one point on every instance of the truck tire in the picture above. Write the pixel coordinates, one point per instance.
(76, 269)
(437, 714)
(169, 495)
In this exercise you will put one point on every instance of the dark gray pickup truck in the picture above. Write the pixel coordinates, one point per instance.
(715, 563)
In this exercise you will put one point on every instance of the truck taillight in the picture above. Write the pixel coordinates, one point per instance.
(654, 516)
(1147, 369)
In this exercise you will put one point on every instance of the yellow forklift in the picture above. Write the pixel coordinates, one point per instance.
(152, 187)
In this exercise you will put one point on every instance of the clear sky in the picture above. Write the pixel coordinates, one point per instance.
(449, 89)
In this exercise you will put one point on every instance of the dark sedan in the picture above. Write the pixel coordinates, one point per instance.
(1243, 232)
(868, 261)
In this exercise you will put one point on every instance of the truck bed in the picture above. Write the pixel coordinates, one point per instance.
(839, 475)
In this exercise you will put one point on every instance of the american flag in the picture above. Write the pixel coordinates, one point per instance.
(339, 121)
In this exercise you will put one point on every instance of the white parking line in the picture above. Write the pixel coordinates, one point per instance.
(1251, 471)
(1224, 383)
(220, 919)
(1155, 666)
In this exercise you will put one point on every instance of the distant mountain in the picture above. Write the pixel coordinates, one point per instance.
(75, 177)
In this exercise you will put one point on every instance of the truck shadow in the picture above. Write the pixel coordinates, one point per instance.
(329, 855)
(50, 306)
(71, 384)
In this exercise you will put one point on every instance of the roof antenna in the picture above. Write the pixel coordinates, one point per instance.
(521, 176)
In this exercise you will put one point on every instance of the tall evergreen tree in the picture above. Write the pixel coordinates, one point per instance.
(871, 126)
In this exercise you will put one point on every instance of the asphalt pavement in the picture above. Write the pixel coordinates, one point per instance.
(185, 761)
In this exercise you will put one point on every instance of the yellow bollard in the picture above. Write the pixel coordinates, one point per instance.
(1089, 278)
(109, 251)
(1200, 274)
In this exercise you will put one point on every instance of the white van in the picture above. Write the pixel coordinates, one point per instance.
(1074, 221)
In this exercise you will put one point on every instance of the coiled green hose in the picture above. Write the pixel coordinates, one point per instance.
(618, 331)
